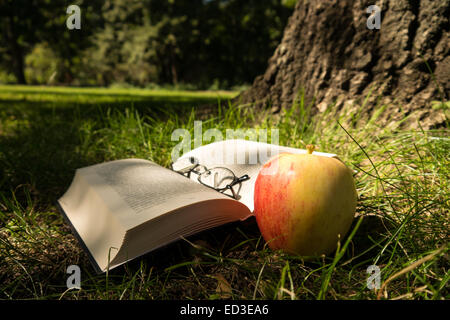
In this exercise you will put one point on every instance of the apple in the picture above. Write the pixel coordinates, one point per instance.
(305, 204)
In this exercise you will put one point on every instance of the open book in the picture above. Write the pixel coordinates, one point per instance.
(122, 209)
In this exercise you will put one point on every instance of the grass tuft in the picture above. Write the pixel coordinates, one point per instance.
(47, 133)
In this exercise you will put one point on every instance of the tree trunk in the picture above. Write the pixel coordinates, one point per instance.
(330, 54)
(16, 52)
(173, 67)
(18, 65)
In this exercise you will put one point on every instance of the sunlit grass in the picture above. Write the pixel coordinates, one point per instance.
(105, 95)
(403, 207)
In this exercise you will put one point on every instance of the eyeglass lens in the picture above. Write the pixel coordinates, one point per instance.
(217, 178)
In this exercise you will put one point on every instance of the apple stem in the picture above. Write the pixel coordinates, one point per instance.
(310, 148)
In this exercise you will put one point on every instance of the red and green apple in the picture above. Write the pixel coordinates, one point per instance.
(305, 203)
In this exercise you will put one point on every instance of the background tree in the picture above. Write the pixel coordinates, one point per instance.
(42, 23)
(205, 43)
(202, 41)
(18, 34)
(69, 45)
(120, 51)
(328, 53)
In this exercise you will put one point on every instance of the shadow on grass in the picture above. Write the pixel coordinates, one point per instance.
(40, 145)
(40, 141)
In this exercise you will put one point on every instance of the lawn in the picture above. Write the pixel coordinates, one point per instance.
(402, 223)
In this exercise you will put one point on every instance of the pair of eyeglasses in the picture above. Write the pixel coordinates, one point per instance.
(217, 178)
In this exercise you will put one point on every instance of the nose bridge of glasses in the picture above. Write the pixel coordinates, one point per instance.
(216, 177)
(219, 178)
(199, 169)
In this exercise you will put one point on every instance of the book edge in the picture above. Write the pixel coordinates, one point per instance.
(96, 267)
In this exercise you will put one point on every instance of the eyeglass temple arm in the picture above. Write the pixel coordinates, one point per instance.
(238, 180)
(245, 177)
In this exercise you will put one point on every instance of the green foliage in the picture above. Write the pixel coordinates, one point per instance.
(289, 3)
(46, 133)
(143, 42)
(41, 65)
(7, 78)
(440, 105)
(120, 52)
(18, 32)
(25, 24)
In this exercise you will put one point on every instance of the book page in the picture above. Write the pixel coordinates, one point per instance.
(179, 224)
(139, 190)
(122, 209)
(241, 157)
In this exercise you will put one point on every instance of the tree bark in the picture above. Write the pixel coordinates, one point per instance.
(330, 54)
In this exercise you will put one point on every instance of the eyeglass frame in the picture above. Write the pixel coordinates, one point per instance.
(191, 169)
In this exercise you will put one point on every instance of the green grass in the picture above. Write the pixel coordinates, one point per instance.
(46, 133)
